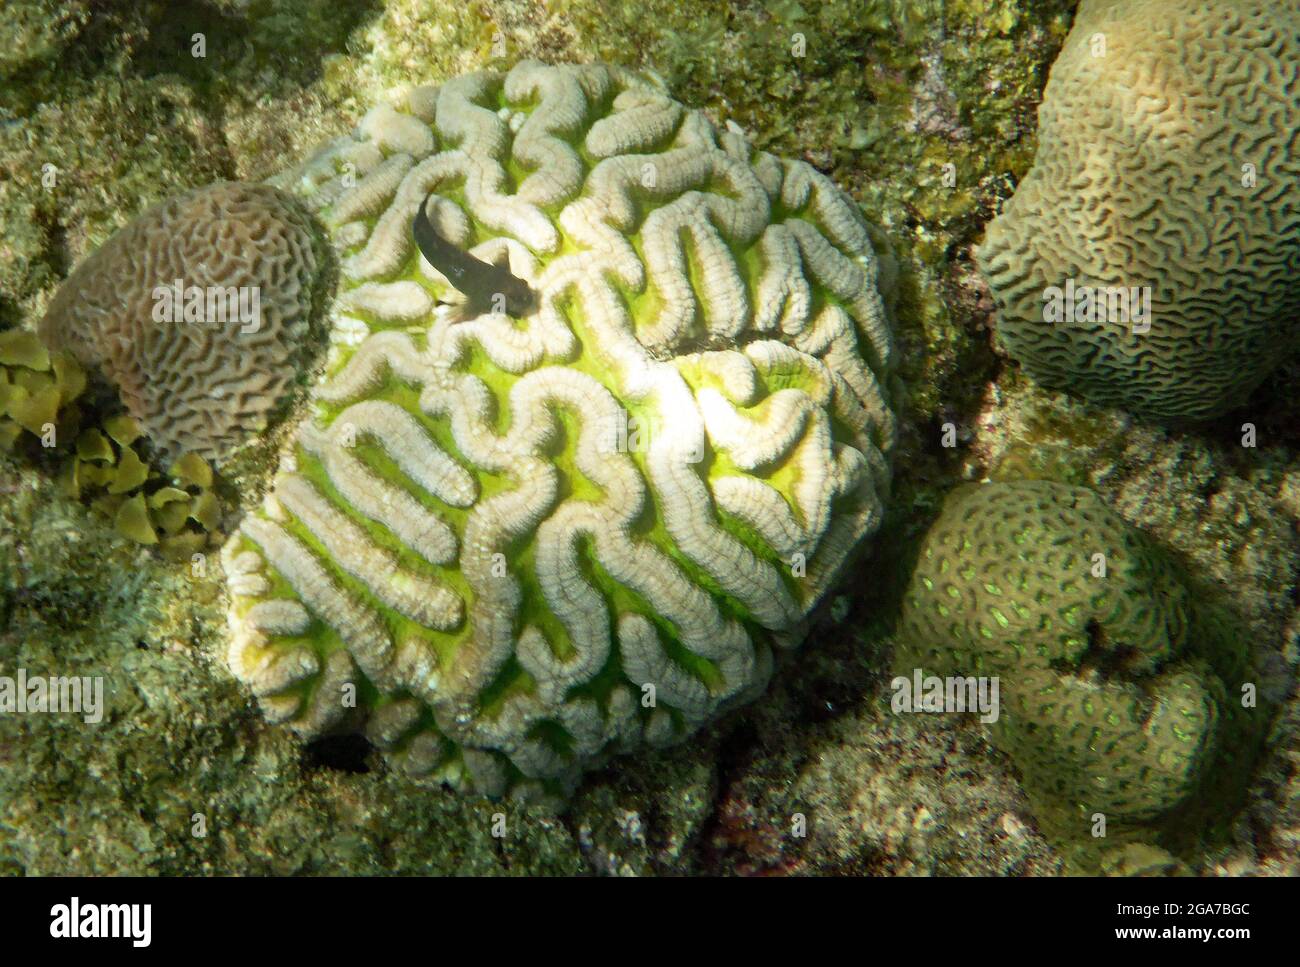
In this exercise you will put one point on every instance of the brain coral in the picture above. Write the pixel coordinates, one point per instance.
(1114, 691)
(1167, 159)
(519, 545)
(201, 380)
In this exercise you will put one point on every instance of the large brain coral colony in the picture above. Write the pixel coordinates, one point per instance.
(1167, 167)
(508, 547)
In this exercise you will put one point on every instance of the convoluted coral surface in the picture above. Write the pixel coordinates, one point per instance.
(514, 546)
(202, 374)
(1117, 689)
(1167, 161)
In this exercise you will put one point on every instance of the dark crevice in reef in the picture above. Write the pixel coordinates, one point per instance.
(10, 318)
(1270, 410)
(231, 39)
(1110, 661)
(50, 264)
(719, 846)
(156, 38)
(837, 673)
(56, 251)
(340, 753)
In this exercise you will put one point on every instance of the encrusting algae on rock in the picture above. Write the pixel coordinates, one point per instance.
(510, 548)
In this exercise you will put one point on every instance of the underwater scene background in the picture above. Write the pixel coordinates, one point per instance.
(351, 586)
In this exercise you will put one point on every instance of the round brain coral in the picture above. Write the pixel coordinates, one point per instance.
(1113, 686)
(1167, 159)
(197, 312)
(523, 544)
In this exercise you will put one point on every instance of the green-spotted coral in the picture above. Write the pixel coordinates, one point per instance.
(1121, 694)
(1166, 162)
(512, 547)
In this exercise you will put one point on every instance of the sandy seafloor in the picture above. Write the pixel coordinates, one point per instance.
(889, 92)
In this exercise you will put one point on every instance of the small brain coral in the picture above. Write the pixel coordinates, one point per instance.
(1167, 159)
(197, 312)
(525, 544)
(1113, 690)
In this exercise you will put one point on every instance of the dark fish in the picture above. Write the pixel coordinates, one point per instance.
(483, 284)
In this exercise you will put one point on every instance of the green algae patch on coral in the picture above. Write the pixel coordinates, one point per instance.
(42, 410)
(43, 407)
(179, 511)
(510, 547)
(37, 389)
(1121, 692)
